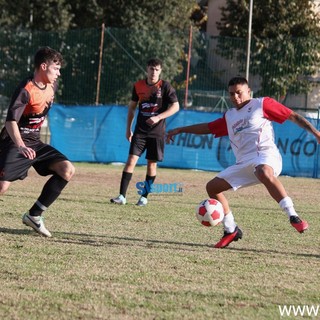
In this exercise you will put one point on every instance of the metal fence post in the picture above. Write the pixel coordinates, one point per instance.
(188, 69)
(100, 65)
(316, 158)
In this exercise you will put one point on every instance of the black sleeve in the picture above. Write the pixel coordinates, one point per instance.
(171, 95)
(19, 100)
(17, 105)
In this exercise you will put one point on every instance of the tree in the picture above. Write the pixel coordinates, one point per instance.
(159, 28)
(285, 37)
(135, 31)
(49, 15)
(86, 14)
(142, 30)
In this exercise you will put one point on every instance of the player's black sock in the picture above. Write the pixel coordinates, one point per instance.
(50, 192)
(149, 183)
(125, 180)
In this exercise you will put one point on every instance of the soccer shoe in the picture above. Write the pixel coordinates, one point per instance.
(299, 224)
(36, 223)
(142, 201)
(228, 238)
(119, 200)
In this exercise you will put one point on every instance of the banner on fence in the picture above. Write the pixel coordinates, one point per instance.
(97, 134)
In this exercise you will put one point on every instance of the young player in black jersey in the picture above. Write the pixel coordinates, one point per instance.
(20, 144)
(156, 100)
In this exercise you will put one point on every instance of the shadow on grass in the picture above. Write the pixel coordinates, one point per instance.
(154, 243)
(102, 240)
(308, 255)
(97, 240)
(16, 231)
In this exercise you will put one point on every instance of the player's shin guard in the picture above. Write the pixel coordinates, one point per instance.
(124, 184)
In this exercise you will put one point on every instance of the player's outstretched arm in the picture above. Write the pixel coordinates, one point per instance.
(305, 124)
(200, 128)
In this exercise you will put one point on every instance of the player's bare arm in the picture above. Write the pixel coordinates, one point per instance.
(201, 128)
(172, 109)
(14, 133)
(305, 124)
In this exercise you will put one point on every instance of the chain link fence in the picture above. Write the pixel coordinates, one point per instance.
(102, 64)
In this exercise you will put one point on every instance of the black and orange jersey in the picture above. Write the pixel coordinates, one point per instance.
(152, 100)
(29, 107)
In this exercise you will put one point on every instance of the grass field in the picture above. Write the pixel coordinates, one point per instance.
(157, 262)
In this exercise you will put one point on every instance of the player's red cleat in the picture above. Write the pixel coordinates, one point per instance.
(228, 238)
(299, 224)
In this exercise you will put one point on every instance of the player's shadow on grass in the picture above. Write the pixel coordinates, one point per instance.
(101, 240)
(165, 244)
(17, 231)
(125, 241)
(97, 240)
(268, 251)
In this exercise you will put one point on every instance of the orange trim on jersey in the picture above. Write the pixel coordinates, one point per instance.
(40, 99)
(145, 91)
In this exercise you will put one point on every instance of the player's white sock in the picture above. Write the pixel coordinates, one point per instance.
(286, 205)
(229, 223)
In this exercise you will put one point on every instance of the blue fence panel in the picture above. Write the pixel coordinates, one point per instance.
(89, 134)
(97, 134)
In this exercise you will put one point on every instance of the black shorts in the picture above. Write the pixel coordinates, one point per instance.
(14, 166)
(154, 147)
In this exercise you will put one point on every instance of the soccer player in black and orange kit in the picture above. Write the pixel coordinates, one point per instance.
(157, 100)
(20, 144)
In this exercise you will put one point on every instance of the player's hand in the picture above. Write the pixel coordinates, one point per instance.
(318, 137)
(171, 134)
(27, 152)
(129, 135)
(153, 120)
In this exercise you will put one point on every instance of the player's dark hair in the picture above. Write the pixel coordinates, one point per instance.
(47, 55)
(153, 62)
(237, 80)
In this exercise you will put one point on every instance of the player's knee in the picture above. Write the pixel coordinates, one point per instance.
(210, 188)
(216, 186)
(71, 171)
(3, 187)
(68, 172)
(264, 174)
(130, 164)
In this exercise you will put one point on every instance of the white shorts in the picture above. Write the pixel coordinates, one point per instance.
(242, 174)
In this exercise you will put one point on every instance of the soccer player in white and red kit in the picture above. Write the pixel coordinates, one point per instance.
(258, 160)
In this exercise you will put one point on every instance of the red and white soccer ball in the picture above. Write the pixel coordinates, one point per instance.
(210, 212)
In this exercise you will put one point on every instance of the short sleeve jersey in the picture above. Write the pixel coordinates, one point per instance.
(28, 107)
(250, 128)
(152, 100)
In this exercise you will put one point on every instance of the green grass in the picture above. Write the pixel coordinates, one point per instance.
(157, 262)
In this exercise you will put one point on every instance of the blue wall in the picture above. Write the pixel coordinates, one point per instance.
(97, 134)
